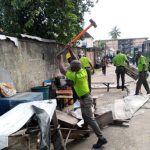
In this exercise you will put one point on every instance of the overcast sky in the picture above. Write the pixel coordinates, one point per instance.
(132, 17)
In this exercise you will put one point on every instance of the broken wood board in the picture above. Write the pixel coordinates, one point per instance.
(74, 134)
(66, 119)
(123, 123)
(18, 133)
(19, 139)
(104, 119)
(102, 82)
(105, 87)
(58, 141)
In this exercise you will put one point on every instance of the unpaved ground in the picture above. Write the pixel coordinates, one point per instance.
(135, 137)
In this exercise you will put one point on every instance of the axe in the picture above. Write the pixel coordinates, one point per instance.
(79, 35)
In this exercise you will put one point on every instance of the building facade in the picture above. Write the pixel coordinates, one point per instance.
(125, 45)
(87, 42)
(129, 45)
(146, 49)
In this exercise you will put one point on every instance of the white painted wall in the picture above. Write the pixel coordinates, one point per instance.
(88, 42)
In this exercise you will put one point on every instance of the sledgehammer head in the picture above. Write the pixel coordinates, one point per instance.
(93, 23)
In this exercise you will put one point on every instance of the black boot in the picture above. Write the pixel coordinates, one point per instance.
(123, 87)
(99, 143)
(118, 86)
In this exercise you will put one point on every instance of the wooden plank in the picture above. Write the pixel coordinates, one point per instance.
(102, 82)
(75, 134)
(64, 92)
(15, 140)
(64, 96)
(105, 87)
(123, 123)
(55, 120)
(104, 119)
(66, 119)
(95, 96)
(18, 133)
(57, 140)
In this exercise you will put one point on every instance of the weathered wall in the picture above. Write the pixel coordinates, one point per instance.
(31, 62)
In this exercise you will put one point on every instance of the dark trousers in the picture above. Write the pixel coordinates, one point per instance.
(75, 96)
(120, 72)
(88, 70)
(104, 69)
(142, 80)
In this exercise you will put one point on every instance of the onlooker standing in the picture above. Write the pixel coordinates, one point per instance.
(142, 68)
(133, 59)
(136, 59)
(111, 59)
(98, 59)
(119, 62)
(86, 63)
(104, 63)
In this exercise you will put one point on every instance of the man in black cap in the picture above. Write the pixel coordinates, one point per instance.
(79, 77)
(142, 68)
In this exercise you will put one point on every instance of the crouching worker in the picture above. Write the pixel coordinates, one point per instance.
(79, 77)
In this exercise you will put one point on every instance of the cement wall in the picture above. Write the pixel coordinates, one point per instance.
(31, 62)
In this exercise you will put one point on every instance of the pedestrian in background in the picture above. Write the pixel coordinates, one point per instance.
(133, 59)
(136, 60)
(119, 62)
(142, 68)
(104, 63)
(111, 59)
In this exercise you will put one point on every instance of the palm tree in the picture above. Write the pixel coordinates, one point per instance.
(114, 33)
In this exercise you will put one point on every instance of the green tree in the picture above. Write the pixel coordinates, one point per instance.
(61, 20)
(114, 33)
(101, 44)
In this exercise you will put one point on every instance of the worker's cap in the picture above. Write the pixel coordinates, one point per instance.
(68, 56)
(75, 63)
(139, 52)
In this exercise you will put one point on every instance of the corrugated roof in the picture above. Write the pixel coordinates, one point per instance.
(87, 35)
(15, 38)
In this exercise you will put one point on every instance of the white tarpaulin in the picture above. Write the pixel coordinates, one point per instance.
(126, 107)
(14, 119)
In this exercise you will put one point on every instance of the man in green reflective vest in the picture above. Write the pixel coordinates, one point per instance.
(119, 62)
(79, 77)
(86, 63)
(142, 68)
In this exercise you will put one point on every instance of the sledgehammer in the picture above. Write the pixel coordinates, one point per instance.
(79, 35)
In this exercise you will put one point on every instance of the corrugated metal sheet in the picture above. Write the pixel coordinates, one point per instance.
(37, 38)
(15, 39)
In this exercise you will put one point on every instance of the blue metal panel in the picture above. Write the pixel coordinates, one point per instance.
(8, 103)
